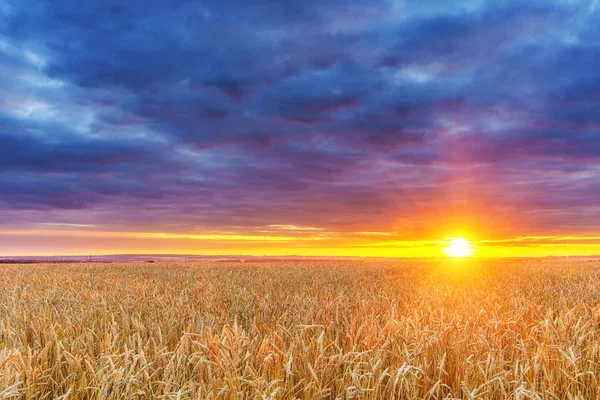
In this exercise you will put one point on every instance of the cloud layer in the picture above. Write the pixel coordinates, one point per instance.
(347, 116)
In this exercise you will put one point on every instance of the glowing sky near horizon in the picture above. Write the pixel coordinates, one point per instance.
(373, 128)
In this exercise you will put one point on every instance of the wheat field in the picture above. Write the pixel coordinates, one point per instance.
(512, 329)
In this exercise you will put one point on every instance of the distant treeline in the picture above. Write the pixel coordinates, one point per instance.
(20, 262)
(51, 261)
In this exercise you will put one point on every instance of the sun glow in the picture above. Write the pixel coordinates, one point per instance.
(458, 247)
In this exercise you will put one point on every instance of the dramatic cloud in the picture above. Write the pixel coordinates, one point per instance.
(411, 117)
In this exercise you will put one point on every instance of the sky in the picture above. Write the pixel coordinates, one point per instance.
(314, 127)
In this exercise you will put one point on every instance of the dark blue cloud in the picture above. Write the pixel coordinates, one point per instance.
(299, 112)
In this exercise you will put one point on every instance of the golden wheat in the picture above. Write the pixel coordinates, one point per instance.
(405, 330)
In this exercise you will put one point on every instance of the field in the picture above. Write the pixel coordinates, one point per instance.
(512, 329)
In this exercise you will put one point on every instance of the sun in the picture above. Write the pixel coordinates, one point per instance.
(458, 247)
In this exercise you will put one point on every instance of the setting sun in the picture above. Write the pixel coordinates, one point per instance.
(459, 247)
